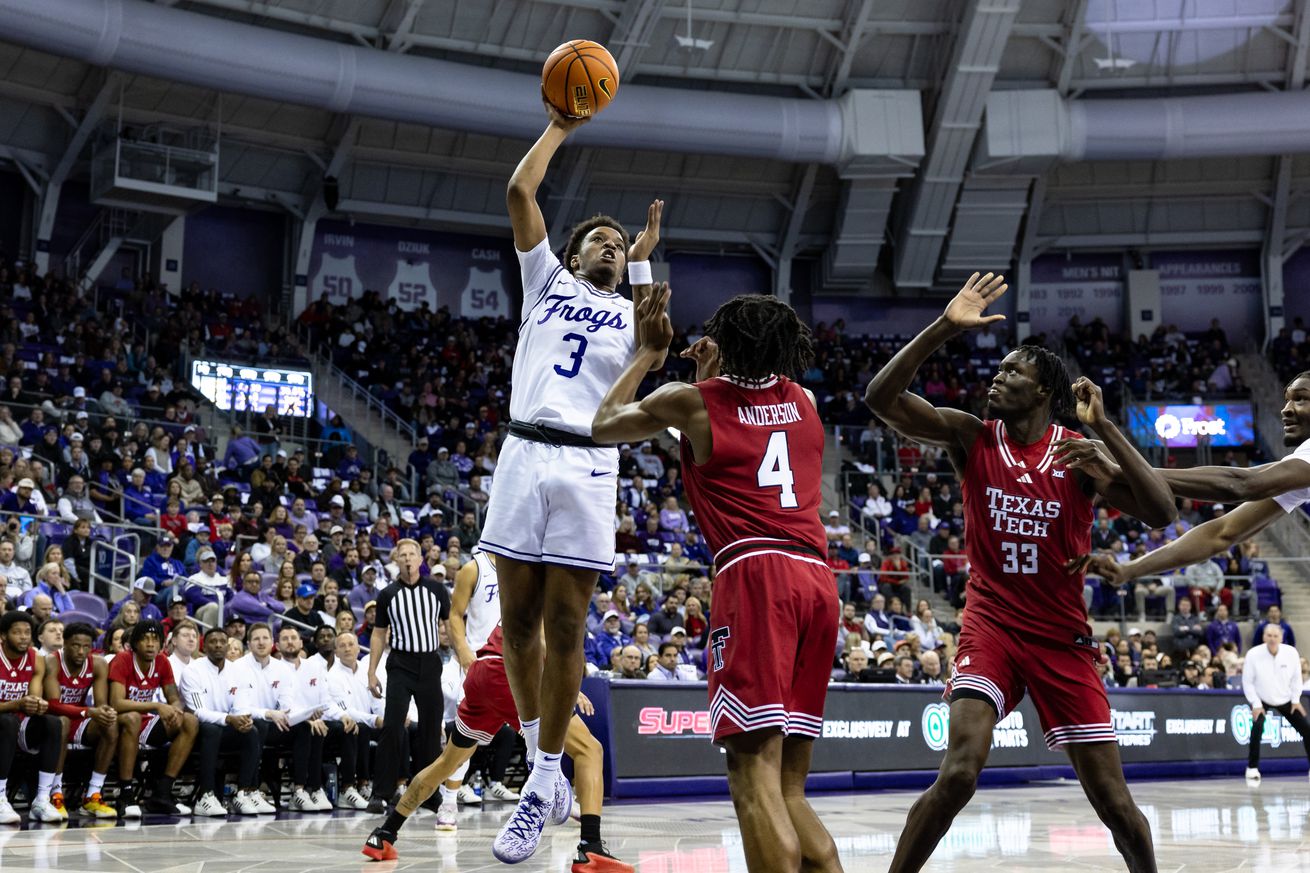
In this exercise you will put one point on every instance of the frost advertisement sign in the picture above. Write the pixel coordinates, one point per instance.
(1085, 286)
(472, 276)
(1196, 287)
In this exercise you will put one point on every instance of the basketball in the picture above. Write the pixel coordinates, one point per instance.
(580, 78)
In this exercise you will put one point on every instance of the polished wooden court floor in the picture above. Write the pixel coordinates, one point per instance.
(1206, 825)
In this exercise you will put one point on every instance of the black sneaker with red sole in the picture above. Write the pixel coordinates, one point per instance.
(595, 858)
(381, 845)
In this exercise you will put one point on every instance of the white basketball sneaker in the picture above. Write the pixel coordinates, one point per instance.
(519, 836)
(1253, 775)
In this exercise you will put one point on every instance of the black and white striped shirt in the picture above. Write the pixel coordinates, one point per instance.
(413, 612)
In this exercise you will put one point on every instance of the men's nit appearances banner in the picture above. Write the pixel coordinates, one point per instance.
(663, 730)
(473, 276)
(1086, 285)
(1196, 287)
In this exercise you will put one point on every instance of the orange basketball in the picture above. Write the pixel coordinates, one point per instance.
(580, 78)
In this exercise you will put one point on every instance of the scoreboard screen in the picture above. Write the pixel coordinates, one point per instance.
(238, 387)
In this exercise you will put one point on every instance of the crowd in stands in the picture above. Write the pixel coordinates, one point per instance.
(1289, 352)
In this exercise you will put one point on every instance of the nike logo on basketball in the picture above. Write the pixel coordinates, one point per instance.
(595, 473)
(604, 85)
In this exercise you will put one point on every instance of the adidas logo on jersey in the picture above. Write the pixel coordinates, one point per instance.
(1026, 479)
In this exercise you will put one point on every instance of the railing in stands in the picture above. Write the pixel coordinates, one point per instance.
(114, 589)
(357, 391)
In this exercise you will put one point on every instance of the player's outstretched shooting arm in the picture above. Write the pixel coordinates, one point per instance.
(888, 394)
(623, 418)
(1136, 488)
(521, 196)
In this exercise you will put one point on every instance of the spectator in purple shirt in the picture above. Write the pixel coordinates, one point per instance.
(350, 465)
(20, 499)
(242, 453)
(672, 517)
(252, 603)
(367, 588)
(1222, 630)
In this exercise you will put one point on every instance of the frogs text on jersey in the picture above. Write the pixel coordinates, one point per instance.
(597, 318)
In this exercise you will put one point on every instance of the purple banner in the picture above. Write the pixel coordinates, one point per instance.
(473, 276)
(701, 283)
(1296, 286)
(1196, 287)
(1086, 286)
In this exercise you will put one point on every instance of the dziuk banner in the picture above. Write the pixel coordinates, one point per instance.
(473, 276)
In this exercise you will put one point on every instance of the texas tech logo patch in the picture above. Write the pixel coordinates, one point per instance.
(718, 641)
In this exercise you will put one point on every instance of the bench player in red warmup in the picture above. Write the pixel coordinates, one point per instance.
(1026, 517)
(752, 458)
(77, 689)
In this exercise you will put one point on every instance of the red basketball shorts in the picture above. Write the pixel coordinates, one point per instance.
(773, 631)
(487, 703)
(77, 732)
(995, 664)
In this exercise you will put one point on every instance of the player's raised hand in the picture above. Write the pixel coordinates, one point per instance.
(1091, 407)
(653, 324)
(705, 352)
(1088, 457)
(965, 311)
(566, 123)
(649, 236)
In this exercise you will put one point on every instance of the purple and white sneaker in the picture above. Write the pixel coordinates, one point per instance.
(563, 801)
(518, 837)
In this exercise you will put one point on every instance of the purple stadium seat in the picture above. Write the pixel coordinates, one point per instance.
(90, 604)
(76, 615)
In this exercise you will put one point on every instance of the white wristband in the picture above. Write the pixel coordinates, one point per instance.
(639, 273)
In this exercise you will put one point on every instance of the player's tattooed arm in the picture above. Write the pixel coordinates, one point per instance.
(888, 394)
(1138, 488)
(623, 418)
(641, 249)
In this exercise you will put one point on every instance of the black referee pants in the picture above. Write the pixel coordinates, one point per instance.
(1295, 719)
(414, 677)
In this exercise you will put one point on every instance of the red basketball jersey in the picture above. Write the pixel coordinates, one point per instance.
(764, 476)
(16, 676)
(141, 684)
(494, 647)
(75, 689)
(1025, 517)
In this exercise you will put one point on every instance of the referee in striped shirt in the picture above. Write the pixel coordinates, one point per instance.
(410, 612)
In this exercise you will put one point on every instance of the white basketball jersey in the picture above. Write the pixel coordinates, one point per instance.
(483, 612)
(484, 296)
(338, 278)
(574, 342)
(412, 286)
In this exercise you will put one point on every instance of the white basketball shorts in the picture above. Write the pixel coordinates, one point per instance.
(553, 505)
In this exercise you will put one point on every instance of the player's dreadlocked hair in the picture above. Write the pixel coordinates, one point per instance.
(759, 336)
(580, 231)
(1052, 375)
